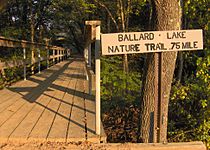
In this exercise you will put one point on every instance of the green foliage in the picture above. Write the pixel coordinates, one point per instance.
(116, 85)
(11, 32)
(197, 13)
(12, 75)
(189, 109)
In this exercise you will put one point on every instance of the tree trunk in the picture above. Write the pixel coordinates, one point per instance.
(41, 29)
(127, 15)
(24, 16)
(180, 66)
(180, 54)
(108, 24)
(121, 14)
(167, 18)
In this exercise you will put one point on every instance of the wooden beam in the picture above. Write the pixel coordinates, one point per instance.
(6, 42)
(90, 30)
(12, 43)
(93, 22)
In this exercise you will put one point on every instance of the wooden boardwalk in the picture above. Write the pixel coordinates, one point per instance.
(51, 106)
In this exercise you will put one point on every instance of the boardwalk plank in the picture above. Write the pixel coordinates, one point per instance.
(8, 127)
(43, 127)
(24, 129)
(77, 120)
(53, 105)
(23, 88)
(60, 125)
(26, 107)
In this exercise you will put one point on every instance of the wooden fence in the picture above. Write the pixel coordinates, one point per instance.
(58, 54)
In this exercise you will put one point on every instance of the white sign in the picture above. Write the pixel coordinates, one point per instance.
(154, 41)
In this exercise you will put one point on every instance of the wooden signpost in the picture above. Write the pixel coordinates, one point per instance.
(138, 42)
(148, 42)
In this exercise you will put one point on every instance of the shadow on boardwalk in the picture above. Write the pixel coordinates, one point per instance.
(48, 81)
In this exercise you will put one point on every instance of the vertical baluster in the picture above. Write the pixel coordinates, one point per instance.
(39, 59)
(24, 59)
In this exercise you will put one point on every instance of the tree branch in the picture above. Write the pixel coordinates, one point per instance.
(109, 13)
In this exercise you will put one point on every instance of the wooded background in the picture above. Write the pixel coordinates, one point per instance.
(62, 21)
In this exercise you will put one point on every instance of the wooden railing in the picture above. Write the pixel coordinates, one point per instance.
(90, 37)
(58, 54)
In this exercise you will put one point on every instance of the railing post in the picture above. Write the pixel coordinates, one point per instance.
(89, 55)
(98, 81)
(32, 59)
(86, 55)
(48, 61)
(63, 55)
(59, 56)
(53, 56)
(69, 53)
(39, 59)
(56, 55)
(47, 44)
(24, 59)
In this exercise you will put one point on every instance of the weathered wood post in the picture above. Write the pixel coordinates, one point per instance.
(24, 67)
(32, 59)
(53, 56)
(86, 55)
(98, 80)
(89, 55)
(63, 54)
(39, 61)
(95, 35)
(48, 59)
(59, 55)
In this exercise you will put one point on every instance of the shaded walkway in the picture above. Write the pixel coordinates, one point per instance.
(53, 105)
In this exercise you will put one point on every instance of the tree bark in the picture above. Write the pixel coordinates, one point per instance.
(167, 18)
(180, 66)
(180, 54)
(108, 24)
(121, 14)
(24, 15)
(127, 15)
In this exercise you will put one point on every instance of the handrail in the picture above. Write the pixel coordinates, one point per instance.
(8, 42)
(58, 56)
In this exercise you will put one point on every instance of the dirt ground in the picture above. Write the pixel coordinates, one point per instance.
(108, 146)
(50, 146)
